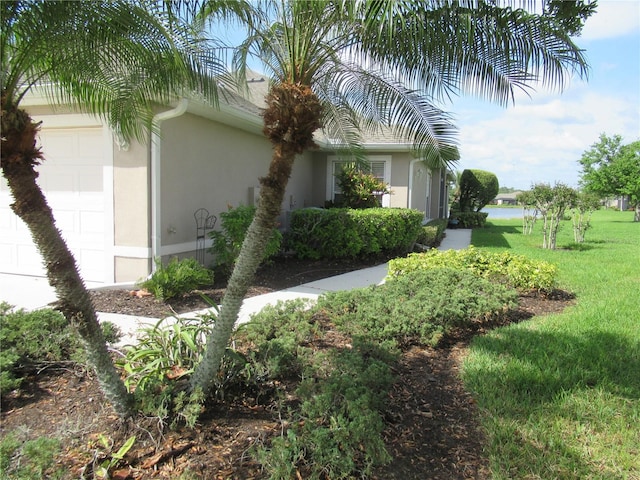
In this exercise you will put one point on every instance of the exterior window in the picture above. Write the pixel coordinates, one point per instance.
(380, 168)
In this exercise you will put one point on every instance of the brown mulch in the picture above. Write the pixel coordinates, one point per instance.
(432, 429)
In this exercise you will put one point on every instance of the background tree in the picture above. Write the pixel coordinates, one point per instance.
(477, 189)
(552, 203)
(610, 168)
(351, 67)
(584, 206)
(529, 211)
(113, 59)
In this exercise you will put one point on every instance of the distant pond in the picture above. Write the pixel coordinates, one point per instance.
(501, 212)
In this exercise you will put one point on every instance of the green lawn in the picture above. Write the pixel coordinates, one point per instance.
(560, 395)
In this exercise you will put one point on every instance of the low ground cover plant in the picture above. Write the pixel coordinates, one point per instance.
(517, 271)
(154, 366)
(420, 307)
(32, 340)
(335, 418)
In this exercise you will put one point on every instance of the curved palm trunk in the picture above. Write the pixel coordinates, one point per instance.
(19, 155)
(292, 115)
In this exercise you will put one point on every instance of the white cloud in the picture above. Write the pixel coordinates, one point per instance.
(542, 140)
(613, 18)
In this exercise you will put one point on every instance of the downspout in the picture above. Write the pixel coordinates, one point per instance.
(156, 177)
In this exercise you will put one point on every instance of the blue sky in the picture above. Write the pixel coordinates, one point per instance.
(542, 137)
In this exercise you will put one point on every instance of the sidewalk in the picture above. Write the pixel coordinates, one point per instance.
(34, 292)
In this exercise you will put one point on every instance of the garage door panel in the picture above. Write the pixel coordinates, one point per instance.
(72, 178)
(7, 218)
(92, 222)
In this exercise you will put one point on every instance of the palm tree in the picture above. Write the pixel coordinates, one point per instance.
(113, 59)
(350, 67)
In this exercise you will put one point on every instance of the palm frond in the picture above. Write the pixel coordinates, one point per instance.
(113, 59)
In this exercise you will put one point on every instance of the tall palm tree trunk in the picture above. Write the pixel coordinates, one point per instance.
(19, 157)
(293, 113)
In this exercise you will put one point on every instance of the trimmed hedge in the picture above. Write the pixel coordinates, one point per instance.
(337, 233)
(470, 219)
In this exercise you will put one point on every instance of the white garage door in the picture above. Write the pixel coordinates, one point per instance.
(72, 177)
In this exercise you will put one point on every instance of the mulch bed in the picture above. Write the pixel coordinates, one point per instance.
(432, 427)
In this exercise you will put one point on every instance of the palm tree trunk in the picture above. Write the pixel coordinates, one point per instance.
(293, 113)
(249, 259)
(19, 156)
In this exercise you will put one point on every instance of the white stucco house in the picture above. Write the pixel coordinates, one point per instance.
(120, 205)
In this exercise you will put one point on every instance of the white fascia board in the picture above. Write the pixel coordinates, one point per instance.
(228, 115)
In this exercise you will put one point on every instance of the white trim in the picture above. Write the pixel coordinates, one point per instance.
(108, 193)
(185, 247)
(131, 252)
(71, 120)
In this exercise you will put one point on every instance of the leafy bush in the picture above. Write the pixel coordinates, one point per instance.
(318, 233)
(516, 271)
(337, 233)
(170, 349)
(418, 307)
(177, 278)
(228, 241)
(359, 189)
(164, 354)
(29, 339)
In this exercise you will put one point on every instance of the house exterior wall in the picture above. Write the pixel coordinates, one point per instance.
(131, 211)
(209, 165)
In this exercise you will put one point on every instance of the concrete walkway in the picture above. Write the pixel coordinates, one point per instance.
(34, 292)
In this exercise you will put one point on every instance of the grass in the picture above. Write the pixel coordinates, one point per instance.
(560, 394)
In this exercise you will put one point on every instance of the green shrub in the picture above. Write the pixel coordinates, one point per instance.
(418, 307)
(29, 339)
(228, 241)
(516, 271)
(338, 233)
(177, 278)
(318, 233)
(169, 349)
